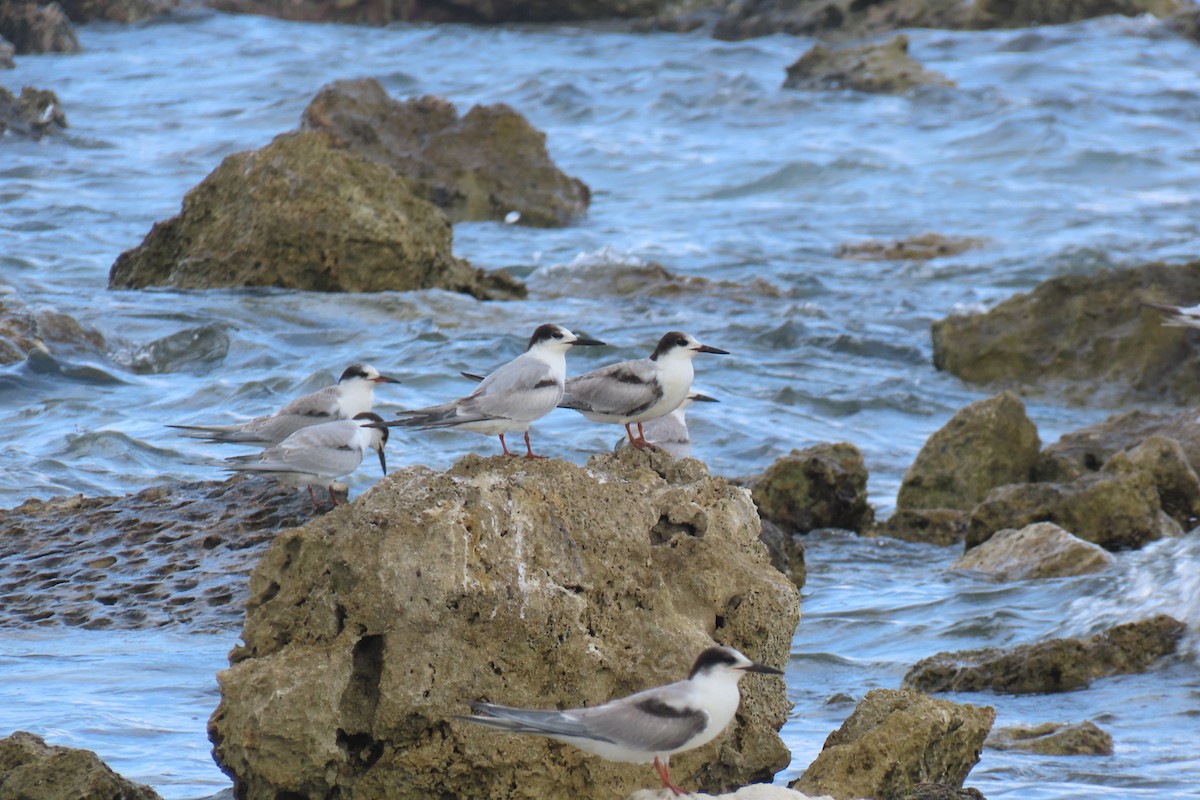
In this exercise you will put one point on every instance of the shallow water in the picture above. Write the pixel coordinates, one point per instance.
(1069, 149)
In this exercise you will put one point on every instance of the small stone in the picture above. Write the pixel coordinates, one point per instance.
(884, 68)
(1040, 550)
(1054, 739)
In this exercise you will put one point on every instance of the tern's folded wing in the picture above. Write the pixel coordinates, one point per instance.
(621, 389)
(645, 722)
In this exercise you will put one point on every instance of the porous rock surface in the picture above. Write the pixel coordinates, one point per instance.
(881, 68)
(1089, 449)
(30, 769)
(895, 739)
(823, 486)
(1040, 550)
(81, 11)
(1087, 338)
(537, 584)
(303, 214)
(940, 526)
(483, 165)
(1054, 739)
(1055, 665)
(34, 28)
(176, 554)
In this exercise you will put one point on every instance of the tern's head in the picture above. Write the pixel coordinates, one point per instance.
(726, 663)
(364, 373)
(379, 435)
(557, 338)
(681, 345)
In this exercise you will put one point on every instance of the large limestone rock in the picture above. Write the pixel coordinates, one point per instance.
(33, 28)
(1054, 739)
(823, 486)
(81, 11)
(303, 214)
(989, 443)
(525, 583)
(484, 165)
(32, 114)
(883, 68)
(381, 12)
(1056, 665)
(1040, 550)
(30, 769)
(895, 739)
(1086, 337)
(1089, 449)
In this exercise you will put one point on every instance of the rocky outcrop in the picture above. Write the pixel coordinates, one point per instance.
(924, 247)
(1054, 739)
(1186, 21)
(34, 114)
(786, 551)
(883, 68)
(940, 791)
(302, 214)
(606, 274)
(7, 51)
(755, 791)
(24, 329)
(895, 739)
(526, 583)
(1040, 550)
(30, 769)
(1026, 13)
(823, 486)
(170, 555)
(81, 11)
(381, 12)
(835, 20)
(33, 28)
(1089, 449)
(989, 443)
(1056, 665)
(488, 164)
(940, 526)
(1087, 338)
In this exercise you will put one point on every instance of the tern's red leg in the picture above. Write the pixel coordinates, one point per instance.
(638, 441)
(663, 768)
(313, 496)
(529, 448)
(332, 497)
(507, 452)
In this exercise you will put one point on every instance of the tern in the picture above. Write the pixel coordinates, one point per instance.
(1177, 316)
(319, 454)
(513, 396)
(670, 432)
(649, 726)
(353, 394)
(634, 392)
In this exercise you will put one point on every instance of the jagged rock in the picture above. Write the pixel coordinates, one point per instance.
(1041, 550)
(603, 273)
(30, 769)
(835, 19)
(823, 486)
(302, 214)
(895, 739)
(755, 791)
(176, 554)
(941, 526)
(939, 791)
(34, 114)
(915, 248)
(1056, 665)
(7, 51)
(1163, 461)
(1118, 511)
(786, 551)
(32, 28)
(526, 583)
(23, 330)
(1054, 739)
(989, 443)
(1089, 449)
(81, 11)
(484, 165)
(381, 12)
(884, 68)
(1086, 337)
(1024, 13)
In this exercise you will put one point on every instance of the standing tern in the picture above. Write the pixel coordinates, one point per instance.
(645, 727)
(353, 394)
(1177, 316)
(634, 392)
(509, 399)
(319, 454)
(670, 432)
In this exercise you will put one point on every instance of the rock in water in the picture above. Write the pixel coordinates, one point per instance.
(533, 584)
(883, 68)
(1055, 739)
(1040, 550)
(823, 486)
(30, 769)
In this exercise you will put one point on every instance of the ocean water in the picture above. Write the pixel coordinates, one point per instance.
(1069, 149)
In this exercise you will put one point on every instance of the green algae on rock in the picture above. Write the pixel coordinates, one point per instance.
(30, 769)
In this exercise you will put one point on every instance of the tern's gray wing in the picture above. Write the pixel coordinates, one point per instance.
(624, 389)
(330, 449)
(521, 720)
(513, 391)
(323, 404)
(655, 720)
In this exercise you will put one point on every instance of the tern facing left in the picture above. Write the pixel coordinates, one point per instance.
(645, 727)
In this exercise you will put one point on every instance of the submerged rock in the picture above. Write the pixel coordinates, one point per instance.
(536, 584)
(604, 273)
(1056, 665)
(33, 28)
(1054, 739)
(895, 739)
(30, 769)
(24, 330)
(915, 248)
(940, 526)
(1040, 550)
(302, 214)
(823, 486)
(884, 68)
(488, 164)
(33, 114)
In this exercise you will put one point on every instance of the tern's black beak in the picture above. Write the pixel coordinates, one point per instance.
(702, 398)
(763, 668)
(714, 350)
(589, 343)
(382, 462)
(385, 379)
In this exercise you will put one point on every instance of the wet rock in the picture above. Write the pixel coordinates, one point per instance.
(1163, 461)
(1085, 337)
(527, 583)
(485, 165)
(915, 248)
(941, 526)
(33, 28)
(835, 19)
(176, 554)
(24, 330)
(1025, 13)
(606, 274)
(823, 486)
(34, 114)
(756, 791)
(196, 349)
(302, 214)
(895, 739)
(381, 12)
(7, 51)
(30, 769)
(1041, 550)
(883, 68)
(81, 11)
(1186, 21)
(1118, 511)
(1054, 739)
(786, 551)
(1089, 449)
(1056, 665)
(989, 443)
(939, 791)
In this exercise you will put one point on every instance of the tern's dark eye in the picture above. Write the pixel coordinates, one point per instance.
(557, 334)
(681, 342)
